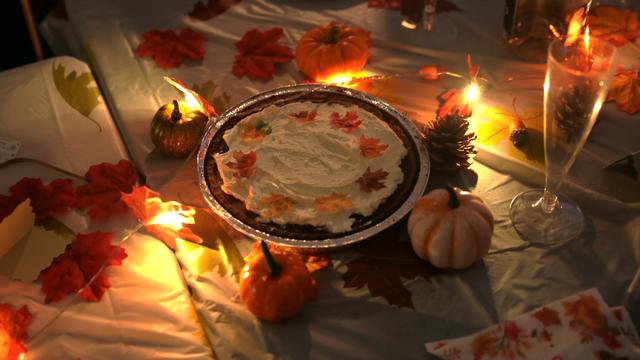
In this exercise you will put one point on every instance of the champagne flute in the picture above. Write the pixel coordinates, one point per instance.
(575, 88)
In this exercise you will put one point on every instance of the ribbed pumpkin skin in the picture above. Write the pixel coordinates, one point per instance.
(276, 298)
(177, 138)
(450, 238)
(332, 49)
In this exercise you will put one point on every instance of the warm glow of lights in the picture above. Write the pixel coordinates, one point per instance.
(586, 40)
(170, 214)
(555, 31)
(21, 356)
(576, 24)
(408, 24)
(472, 93)
(191, 101)
(346, 79)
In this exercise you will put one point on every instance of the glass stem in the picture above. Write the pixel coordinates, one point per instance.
(429, 13)
(549, 201)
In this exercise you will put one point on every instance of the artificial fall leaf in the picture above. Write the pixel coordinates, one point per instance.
(13, 331)
(276, 204)
(149, 209)
(244, 165)
(625, 91)
(254, 131)
(303, 117)
(371, 147)
(211, 93)
(71, 271)
(372, 180)
(78, 90)
(332, 203)
(168, 48)
(259, 52)
(618, 26)
(547, 317)
(211, 9)
(347, 123)
(452, 101)
(384, 265)
(101, 196)
(49, 200)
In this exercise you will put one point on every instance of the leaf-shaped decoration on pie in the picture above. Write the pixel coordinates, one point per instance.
(254, 131)
(303, 117)
(372, 180)
(371, 147)
(347, 123)
(333, 203)
(276, 204)
(244, 164)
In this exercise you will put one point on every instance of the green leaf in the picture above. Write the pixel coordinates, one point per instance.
(216, 97)
(218, 249)
(78, 90)
(56, 226)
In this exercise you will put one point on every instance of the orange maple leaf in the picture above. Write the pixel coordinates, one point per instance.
(618, 26)
(332, 203)
(371, 147)
(147, 205)
(625, 91)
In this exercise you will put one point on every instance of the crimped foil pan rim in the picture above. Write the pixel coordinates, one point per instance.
(330, 243)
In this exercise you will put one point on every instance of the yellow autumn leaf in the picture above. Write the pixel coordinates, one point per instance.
(77, 90)
(625, 91)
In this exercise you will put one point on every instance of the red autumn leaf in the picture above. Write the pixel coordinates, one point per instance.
(347, 123)
(453, 102)
(13, 331)
(371, 147)
(123, 174)
(332, 203)
(244, 165)
(79, 264)
(547, 317)
(303, 117)
(385, 266)
(46, 200)
(512, 331)
(371, 181)
(259, 52)
(167, 48)
(625, 90)
(101, 196)
(147, 205)
(211, 9)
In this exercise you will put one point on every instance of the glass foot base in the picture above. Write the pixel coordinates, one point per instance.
(564, 223)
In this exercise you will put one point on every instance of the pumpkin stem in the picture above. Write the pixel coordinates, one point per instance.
(334, 32)
(274, 268)
(176, 114)
(454, 202)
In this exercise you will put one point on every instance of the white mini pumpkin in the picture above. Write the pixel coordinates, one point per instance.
(451, 228)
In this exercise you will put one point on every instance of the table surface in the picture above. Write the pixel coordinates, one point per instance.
(375, 300)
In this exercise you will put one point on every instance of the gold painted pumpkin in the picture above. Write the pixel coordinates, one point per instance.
(176, 130)
(331, 49)
(451, 228)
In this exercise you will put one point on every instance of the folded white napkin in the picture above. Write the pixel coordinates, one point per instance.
(580, 326)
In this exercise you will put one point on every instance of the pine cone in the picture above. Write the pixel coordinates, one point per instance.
(450, 146)
(572, 111)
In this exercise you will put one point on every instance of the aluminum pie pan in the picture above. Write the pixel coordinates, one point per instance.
(219, 202)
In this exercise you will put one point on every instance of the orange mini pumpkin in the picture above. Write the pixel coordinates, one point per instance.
(332, 49)
(275, 285)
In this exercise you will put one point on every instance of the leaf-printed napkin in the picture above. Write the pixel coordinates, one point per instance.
(580, 326)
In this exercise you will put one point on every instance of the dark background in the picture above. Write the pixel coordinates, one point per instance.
(16, 48)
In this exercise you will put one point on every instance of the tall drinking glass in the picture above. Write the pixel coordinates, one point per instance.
(575, 88)
(421, 14)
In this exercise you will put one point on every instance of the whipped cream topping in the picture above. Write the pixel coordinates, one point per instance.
(311, 163)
